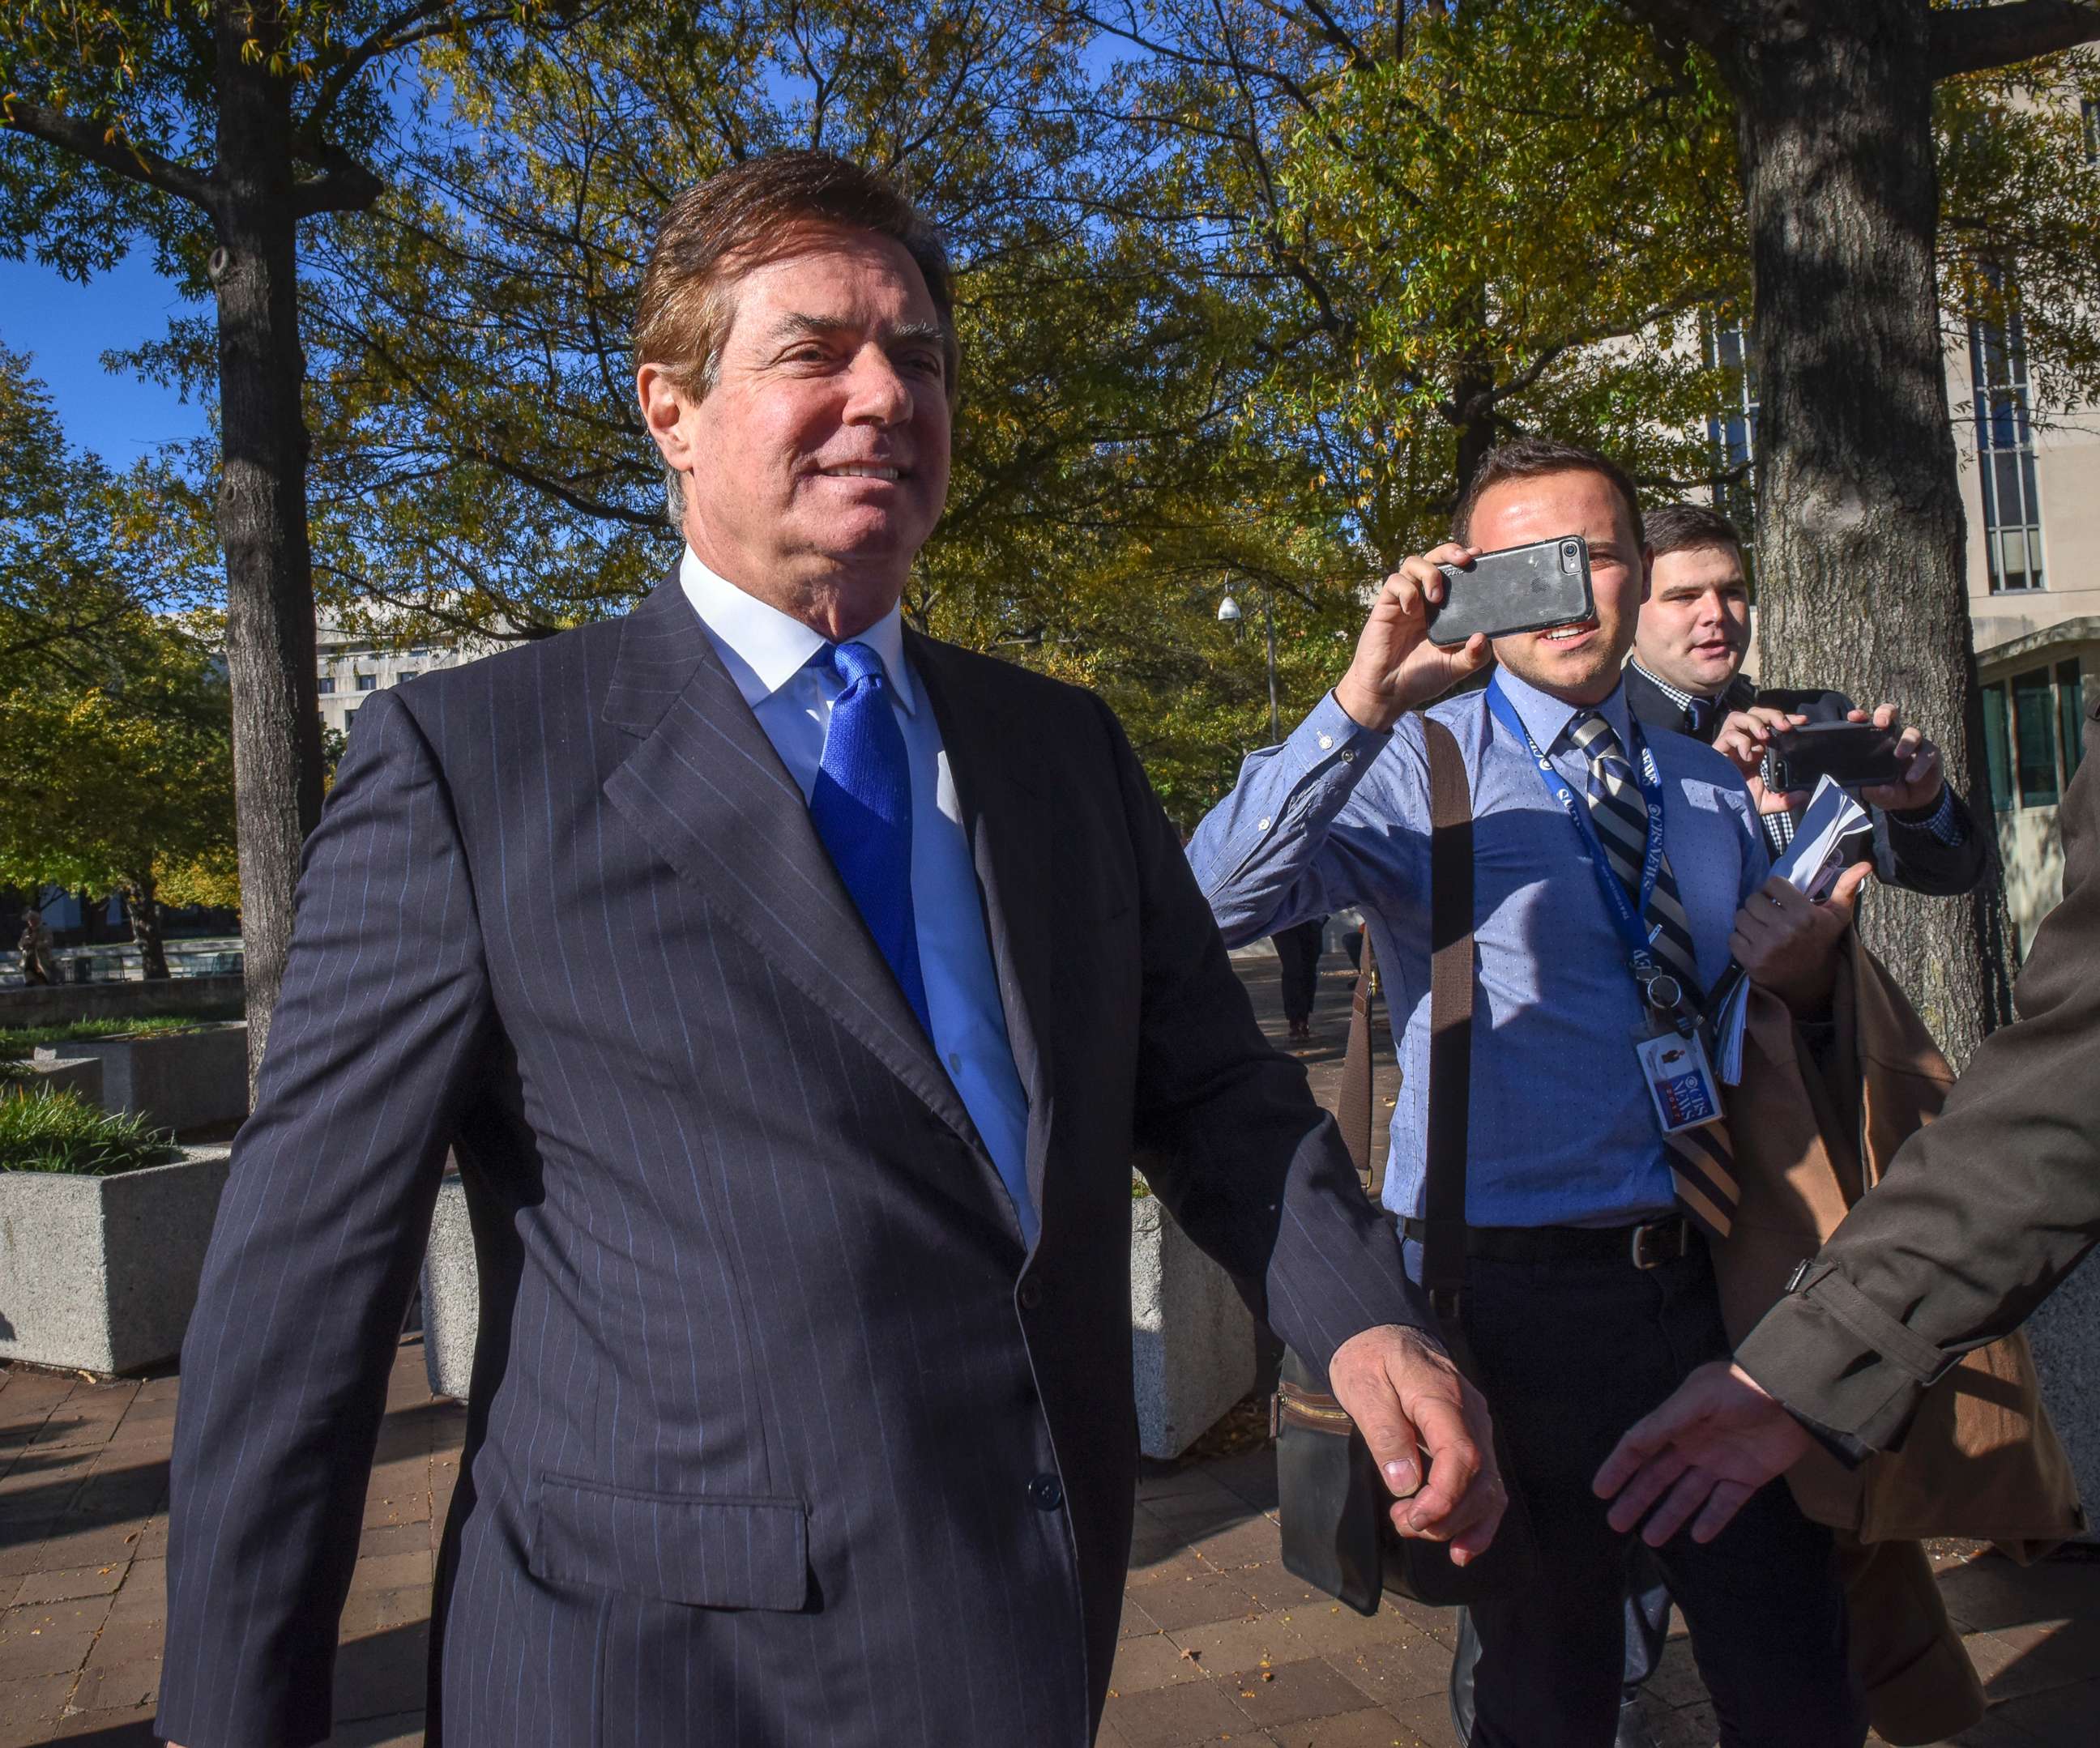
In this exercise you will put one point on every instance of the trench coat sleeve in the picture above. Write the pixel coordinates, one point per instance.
(1981, 1213)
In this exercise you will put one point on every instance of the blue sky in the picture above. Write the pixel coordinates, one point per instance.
(67, 328)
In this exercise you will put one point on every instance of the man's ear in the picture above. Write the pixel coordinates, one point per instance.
(664, 405)
(1647, 571)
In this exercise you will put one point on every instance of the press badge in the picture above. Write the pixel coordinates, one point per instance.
(1680, 1081)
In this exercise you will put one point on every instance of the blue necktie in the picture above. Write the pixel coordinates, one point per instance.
(1699, 714)
(862, 808)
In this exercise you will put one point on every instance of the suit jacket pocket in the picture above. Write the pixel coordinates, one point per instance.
(705, 1550)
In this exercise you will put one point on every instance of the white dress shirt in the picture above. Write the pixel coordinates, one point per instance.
(767, 654)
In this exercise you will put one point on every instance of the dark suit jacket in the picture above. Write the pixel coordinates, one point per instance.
(777, 1435)
(1905, 853)
(1982, 1212)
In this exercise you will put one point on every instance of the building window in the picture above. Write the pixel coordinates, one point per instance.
(2004, 455)
(404, 673)
(2070, 717)
(2034, 739)
(367, 682)
(1732, 432)
(1997, 743)
(327, 684)
(2032, 734)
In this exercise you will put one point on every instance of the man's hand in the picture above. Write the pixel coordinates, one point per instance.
(1788, 944)
(1717, 1440)
(1744, 736)
(1924, 775)
(1397, 667)
(1410, 1404)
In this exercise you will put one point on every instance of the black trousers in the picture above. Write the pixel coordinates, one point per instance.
(1297, 949)
(1571, 1354)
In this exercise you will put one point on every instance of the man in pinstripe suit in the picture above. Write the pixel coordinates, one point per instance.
(793, 990)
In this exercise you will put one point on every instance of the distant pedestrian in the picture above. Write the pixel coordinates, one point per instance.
(1298, 948)
(36, 945)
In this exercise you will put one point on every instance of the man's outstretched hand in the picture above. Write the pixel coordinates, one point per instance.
(1410, 1404)
(1717, 1440)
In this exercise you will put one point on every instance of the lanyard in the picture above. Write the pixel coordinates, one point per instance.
(1661, 990)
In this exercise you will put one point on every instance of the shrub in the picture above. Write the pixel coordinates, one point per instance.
(61, 1132)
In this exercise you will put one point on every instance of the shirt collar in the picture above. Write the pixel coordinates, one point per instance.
(1545, 718)
(1676, 695)
(763, 648)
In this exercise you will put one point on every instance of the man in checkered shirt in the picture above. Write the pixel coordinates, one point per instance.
(1686, 675)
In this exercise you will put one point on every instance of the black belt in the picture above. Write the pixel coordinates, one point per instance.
(1647, 1245)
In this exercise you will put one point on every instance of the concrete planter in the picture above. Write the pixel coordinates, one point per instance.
(100, 1274)
(1191, 1334)
(174, 1080)
(56, 1074)
(452, 1295)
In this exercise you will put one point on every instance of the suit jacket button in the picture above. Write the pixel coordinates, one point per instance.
(1048, 1491)
(1030, 1294)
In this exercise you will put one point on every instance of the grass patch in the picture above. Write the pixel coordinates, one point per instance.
(18, 1041)
(62, 1132)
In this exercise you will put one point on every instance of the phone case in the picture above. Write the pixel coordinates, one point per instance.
(1519, 588)
(1851, 753)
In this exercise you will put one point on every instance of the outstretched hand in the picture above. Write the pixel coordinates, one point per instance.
(1396, 666)
(1717, 1440)
(1412, 1405)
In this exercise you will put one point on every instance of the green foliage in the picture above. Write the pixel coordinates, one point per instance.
(2020, 219)
(84, 555)
(116, 762)
(1242, 288)
(18, 1041)
(1510, 225)
(61, 1132)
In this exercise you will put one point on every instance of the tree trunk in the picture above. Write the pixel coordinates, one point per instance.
(1860, 535)
(142, 905)
(270, 644)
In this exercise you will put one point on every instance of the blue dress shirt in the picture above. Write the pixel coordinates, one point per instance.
(1563, 1132)
(767, 654)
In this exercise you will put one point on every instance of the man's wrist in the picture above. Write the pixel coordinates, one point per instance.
(1367, 709)
(1926, 811)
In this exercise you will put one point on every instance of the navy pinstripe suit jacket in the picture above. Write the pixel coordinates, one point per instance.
(777, 1436)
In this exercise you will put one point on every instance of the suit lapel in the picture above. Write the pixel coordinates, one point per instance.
(705, 788)
(1007, 816)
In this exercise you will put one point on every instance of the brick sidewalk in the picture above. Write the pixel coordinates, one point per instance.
(1219, 1642)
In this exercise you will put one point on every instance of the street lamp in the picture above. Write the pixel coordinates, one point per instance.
(1228, 613)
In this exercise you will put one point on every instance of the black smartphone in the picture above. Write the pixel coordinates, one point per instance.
(1520, 588)
(1849, 753)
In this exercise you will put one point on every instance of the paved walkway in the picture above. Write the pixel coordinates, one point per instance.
(1219, 1642)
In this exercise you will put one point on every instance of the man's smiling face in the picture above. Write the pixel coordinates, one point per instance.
(1578, 663)
(817, 464)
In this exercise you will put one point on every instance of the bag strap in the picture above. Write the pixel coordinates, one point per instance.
(1353, 1106)
(1450, 1015)
(1450, 1023)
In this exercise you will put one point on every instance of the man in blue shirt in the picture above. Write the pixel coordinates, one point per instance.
(1588, 1291)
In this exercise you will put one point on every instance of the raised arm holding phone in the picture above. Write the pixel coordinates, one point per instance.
(1612, 868)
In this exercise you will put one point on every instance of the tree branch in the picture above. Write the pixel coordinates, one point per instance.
(101, 144)
(1687, 21)
(346, 185)
(1971, 39)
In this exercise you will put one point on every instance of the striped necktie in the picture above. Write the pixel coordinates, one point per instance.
(1702, 1162)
